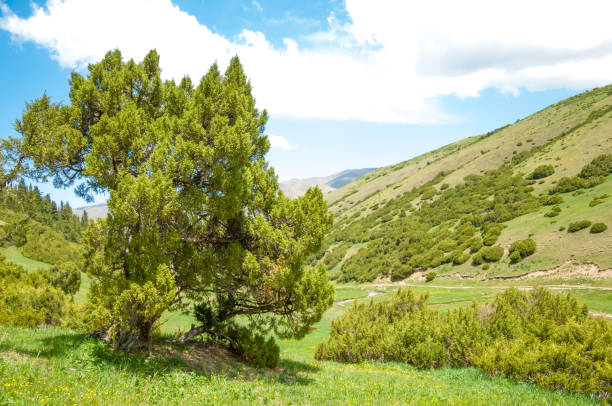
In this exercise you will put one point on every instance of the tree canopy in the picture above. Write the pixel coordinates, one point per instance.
(195, 211)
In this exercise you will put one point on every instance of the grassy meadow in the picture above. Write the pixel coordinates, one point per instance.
(57, 366)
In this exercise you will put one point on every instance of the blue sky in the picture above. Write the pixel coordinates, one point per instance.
(348, 84)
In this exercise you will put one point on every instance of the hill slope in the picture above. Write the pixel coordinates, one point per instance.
(415, 215)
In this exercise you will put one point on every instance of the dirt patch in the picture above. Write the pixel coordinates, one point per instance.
(601, 314)
(206, 358)
(567, 270)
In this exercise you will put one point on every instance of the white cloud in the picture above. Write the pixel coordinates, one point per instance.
(278, 141)
(388, 65)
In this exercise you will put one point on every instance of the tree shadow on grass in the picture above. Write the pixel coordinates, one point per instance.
(199, 359)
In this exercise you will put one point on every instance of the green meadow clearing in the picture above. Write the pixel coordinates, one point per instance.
(57, 366)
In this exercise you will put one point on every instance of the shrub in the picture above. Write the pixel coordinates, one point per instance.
(430, 276)
(491, 235)
(561, 228)
(461, 258)
(535, 336)
(486, 267)
(542, 171)
(477, 259)
(65, 276)
(553, 212)
(578, 225)
(598, 228)
(475, 245)
(515, 257)
(492, 254)
(27, 299)
(521, 249)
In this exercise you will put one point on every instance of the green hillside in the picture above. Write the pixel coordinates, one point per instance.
(435, 212)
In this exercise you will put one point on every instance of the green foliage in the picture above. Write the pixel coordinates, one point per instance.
(195, 211)
(598, 200)
(551, 200)
(492, 234)
(554, 212)
(591, 175)
(254, 347)
(598, 228)
(535, 336)
(521, 249)
(24, 209)
(430, 276)
(578, 225)
(492, 254)
(27, 299)
(461, 258)
(460, 218)
(65, 276)
(541, 171)
(52, 248)
(334, 257)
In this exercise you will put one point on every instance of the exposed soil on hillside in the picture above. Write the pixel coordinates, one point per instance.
(567, 270)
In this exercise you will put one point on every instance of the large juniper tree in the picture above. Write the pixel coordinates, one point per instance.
(195, 212)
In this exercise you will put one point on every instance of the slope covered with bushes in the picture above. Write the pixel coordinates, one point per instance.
(462, 207)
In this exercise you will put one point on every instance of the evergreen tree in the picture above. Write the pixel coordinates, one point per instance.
(195, 212)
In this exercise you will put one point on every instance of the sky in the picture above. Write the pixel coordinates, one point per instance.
(347, 83)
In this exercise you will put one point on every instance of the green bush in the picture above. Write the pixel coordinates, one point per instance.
(27, 299)
(578, 225)
(486, 267)
(475, 245)
(258, 351)
(553, 212)
(430, 276)
(492, 254)
(598, 228)
(551, 200)
(561, 228)
(591, 175)
(542, 171)
(65, 276)
(535, 336)
(521, 249)
(461, 258)
(515, 257)
(491, 235)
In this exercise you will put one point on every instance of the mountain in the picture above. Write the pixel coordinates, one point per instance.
(93, 212)
(455, 209)
(297, 187)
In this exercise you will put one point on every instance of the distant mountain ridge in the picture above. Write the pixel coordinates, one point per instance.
(297, 187)
(93, 212)
(292, 188)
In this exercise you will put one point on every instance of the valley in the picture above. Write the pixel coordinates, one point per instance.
(462, 276)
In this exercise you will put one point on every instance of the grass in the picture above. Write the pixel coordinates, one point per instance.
(54, 366)
(13, 254)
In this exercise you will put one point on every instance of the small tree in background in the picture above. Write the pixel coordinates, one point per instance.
(195, 212)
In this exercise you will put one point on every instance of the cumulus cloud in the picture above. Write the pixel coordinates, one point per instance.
(278, 141)
(389, 63)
